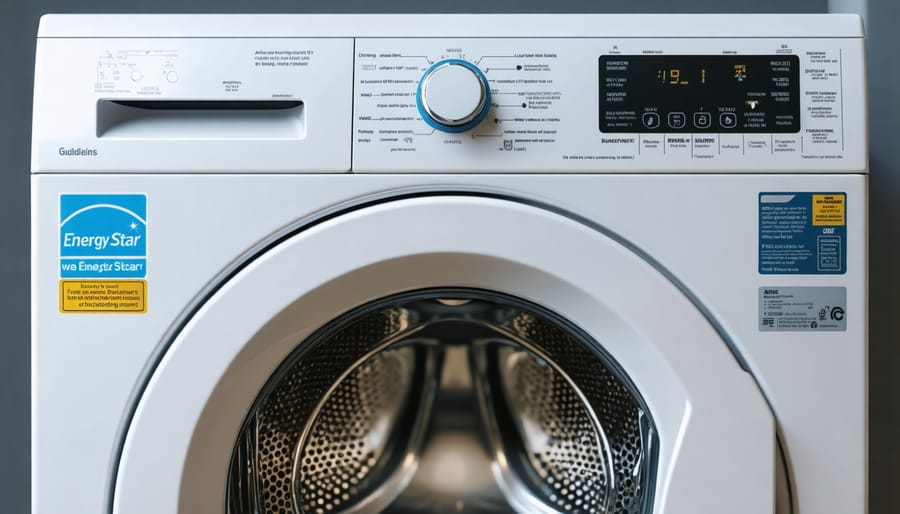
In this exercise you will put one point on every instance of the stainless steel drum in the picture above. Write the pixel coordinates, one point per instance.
(446, 401)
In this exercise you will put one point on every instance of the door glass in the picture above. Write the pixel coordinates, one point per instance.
(450, 401)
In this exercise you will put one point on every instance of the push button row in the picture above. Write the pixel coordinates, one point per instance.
(677, 120)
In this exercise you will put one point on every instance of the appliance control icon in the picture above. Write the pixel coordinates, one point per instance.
(702, 119)
(650, 119)
(728, 120)
(676, 120)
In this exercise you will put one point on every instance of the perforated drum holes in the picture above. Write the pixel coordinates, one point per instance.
(346, 421)
(562, 442)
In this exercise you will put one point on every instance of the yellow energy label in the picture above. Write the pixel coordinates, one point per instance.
(103, 296)
(828, 210)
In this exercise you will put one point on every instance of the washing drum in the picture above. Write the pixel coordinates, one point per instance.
(445, 402)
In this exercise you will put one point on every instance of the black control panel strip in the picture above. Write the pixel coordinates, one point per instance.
(700, 93)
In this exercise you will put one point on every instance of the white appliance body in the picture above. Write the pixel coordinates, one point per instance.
(286, 175)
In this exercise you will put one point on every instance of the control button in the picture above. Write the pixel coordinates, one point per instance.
(728, 120)
(676, 120)
(453, 96)
(650, 119)
(136, 76)
(702, 120)
(172, 76)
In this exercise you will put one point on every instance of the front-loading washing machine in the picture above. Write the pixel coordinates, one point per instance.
(473, 264)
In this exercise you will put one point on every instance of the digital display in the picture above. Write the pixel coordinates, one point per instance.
(700, 93)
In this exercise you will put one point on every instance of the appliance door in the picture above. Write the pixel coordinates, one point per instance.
(448, 353)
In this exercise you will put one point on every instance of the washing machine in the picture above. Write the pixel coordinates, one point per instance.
(557, 264)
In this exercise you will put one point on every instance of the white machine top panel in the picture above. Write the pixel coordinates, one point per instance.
(559, 93)
(450, 25)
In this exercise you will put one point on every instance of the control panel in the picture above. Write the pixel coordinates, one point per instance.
(433, 104)
(700, 93)
(627, 104)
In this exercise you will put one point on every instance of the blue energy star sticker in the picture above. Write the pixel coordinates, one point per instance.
(103, 236)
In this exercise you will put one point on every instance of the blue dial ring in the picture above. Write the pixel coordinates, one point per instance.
(455, 128)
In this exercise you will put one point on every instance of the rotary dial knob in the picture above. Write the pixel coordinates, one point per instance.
(453, 96)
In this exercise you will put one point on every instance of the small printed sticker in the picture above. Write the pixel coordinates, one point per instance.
(802, 233)
(828, 210)
(783, 309)
(103, 296)
(102, 240)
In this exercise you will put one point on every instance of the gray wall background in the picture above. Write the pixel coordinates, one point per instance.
(18, 24)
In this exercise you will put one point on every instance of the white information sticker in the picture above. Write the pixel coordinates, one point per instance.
(821, 309)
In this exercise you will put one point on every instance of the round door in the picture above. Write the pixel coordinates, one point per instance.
(448, 354)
